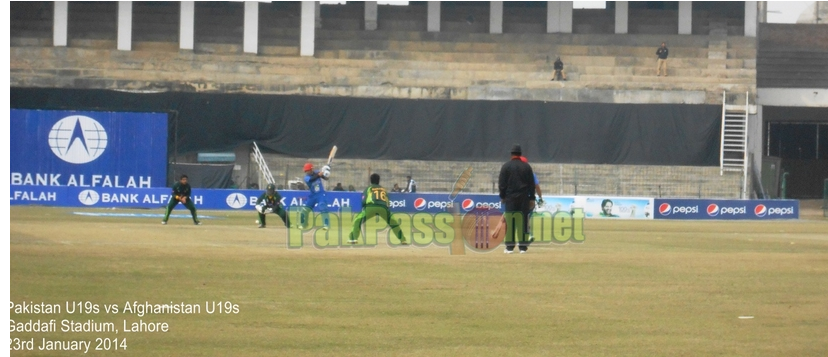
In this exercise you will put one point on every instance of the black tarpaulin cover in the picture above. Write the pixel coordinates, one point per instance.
(407, 129)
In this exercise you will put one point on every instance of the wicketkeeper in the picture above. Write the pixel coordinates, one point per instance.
(181, 194)
(270, 202)
(375, 203)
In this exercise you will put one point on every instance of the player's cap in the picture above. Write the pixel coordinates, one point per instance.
(308, 167)
(516, 149)
(523, 158)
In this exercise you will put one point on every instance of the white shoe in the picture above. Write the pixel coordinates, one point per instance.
(522, 252)
(164, 222)
(352, 241)
(506, 251)
(325, 228)
(300, 226)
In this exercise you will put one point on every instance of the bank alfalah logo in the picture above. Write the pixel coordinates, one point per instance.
(77, 139)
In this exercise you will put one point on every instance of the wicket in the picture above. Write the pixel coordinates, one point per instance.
(481, 228)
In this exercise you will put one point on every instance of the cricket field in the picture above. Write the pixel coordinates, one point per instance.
(129, 286)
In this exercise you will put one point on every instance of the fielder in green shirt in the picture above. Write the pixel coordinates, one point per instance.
(374, 203)
(181, 194)
(270, 202)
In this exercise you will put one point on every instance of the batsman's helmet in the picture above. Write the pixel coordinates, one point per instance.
(271, 188)
(307, 167)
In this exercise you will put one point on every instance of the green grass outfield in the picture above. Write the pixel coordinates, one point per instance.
(654, 288)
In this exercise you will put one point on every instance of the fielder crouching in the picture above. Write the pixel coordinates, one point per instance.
(181, 192)
(375, 204)
(269, 202)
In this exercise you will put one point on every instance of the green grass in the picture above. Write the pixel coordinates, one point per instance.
(632, 288)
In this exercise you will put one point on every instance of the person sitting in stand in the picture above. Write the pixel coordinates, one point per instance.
(559, 70)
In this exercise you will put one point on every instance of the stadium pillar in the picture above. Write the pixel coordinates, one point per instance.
(751, 18)
(186, 31)
(61, 24)
(566, 16)
(622, 16)
(124, 25)
(433, 16)
(685, 18)
(763, 12)
(251, 27)
(559, 17)
(308, 28)
(370, 15)
(553, 10)
(495, 16)
(754, 138)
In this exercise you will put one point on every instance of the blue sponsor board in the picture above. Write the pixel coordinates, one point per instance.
(707, 209)
(215, 199)
(88, 149)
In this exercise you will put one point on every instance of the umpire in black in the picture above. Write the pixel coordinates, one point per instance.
(517, 190)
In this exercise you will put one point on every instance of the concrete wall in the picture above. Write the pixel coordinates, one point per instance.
(800, 36)
(555, 179)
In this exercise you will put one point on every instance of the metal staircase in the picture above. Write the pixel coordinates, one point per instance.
(263, 169)
(733, 153)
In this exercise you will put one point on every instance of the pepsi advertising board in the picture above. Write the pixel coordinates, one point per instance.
(440, 202)
(703, 209)
(88, 149)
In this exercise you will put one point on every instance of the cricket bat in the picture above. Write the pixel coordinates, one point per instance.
(458, 245)
(460, 183)
(331, 155)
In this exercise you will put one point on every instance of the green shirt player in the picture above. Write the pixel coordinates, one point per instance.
(374, 203)
(181, 194)
(269, 202)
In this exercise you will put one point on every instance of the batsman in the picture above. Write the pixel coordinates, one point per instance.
(269, 202)
(375, 203)
(313, 179)
(181, 194)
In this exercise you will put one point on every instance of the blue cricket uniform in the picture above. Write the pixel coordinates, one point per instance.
(317, 196)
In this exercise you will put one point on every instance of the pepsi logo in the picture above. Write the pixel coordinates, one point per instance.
(760, 210)
(420, 204)
(664, 209)
(468, 204)
(713, 210)
(396, 204)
